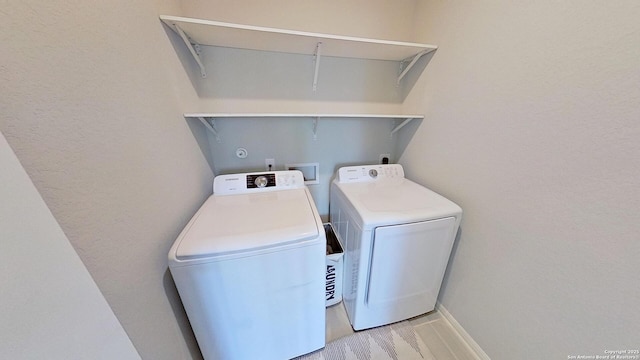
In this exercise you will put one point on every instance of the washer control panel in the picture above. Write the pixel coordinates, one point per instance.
(257, 182)
(368, 173)
(261, 180)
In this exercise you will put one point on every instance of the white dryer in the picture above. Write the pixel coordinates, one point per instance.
(249, 268)
(398, 237)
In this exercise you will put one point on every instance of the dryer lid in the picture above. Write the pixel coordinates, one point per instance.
(247, 222)
(396, 201)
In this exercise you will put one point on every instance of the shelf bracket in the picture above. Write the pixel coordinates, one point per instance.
(402, 124)
(315, 128)
(211, 127)
(316, 58)
(194, 49)
(411, 64)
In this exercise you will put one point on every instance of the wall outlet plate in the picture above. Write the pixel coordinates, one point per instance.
(270, 164)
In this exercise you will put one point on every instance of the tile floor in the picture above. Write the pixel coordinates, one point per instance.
(434, 330)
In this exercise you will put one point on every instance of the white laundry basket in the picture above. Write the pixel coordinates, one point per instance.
(333, 276)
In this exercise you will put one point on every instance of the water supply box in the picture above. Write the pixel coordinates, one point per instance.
(333, 276)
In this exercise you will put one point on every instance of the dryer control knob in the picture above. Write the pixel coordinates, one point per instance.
(261, 181)
(373, 173)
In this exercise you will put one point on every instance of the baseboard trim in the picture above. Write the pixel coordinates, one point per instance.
(471, 344)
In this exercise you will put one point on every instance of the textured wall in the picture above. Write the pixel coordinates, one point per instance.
(532, 127)
(51, 309)
(383, 19)
(91, 100)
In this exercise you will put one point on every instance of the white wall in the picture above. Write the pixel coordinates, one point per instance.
(532, 127)
(91, 100)
(51, 308)
(383, 19)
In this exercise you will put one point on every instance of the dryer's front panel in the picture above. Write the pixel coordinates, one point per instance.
(407, 265)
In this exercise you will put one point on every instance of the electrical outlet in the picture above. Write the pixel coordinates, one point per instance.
(270, 164)
(382, 158)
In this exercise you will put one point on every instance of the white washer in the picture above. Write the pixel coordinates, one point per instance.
(249, 268)
(398, 237)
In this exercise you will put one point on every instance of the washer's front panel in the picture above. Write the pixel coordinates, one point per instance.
(274, 300)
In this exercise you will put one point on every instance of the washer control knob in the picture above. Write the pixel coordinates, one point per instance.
(261, 181)
(373, 173)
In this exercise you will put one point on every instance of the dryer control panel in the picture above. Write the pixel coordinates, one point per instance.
(368, 173)
(257, 182)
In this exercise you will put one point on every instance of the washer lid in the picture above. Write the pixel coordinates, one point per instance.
(396, 201)
(247, 222)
